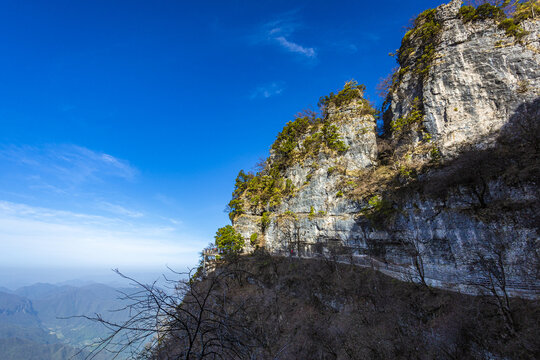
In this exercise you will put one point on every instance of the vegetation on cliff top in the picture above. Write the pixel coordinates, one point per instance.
(420, 42)
(507, 14)
(303, 138)
(415, 56)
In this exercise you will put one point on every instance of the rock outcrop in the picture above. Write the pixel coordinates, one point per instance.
(478, 78)
(318, 209)
(445, 219)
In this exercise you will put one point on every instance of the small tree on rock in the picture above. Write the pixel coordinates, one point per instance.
(229, 240)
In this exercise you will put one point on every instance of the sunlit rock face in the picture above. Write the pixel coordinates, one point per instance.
(318, 210)
(480, 79)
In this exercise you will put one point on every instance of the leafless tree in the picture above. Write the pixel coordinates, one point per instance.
(417, 249)
(501, 264)
(290, 231)
(190, 318)
(493, 269)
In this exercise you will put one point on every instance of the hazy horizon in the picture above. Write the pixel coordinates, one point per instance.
(14, 278)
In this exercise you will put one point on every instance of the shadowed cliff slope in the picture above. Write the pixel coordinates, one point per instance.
(265, 307)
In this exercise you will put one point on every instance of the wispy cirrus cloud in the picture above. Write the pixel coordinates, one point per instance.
(68, 177)
(281, 32)
(344, 46)
(67, 163)
(295, 48)
(267, 90)
(119, 210)
(61, 170)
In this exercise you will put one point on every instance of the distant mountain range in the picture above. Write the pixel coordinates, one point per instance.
(41, 321)
(5, 290)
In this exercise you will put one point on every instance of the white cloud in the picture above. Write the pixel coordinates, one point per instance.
(266, 91)
(35, 236)
(344, 46)
(70, 164)
(119, 210)
(280, 32)
(293, 47)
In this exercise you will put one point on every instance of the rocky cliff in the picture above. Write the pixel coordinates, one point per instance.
(477, 76)
(448, 195)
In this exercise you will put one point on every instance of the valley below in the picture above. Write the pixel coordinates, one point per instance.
(44, 321)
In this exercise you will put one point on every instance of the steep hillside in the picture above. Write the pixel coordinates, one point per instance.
(17, 310)
(22, 335)
(265, 307)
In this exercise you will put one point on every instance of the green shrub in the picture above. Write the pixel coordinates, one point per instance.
(435, 154)
(303, 138)
(512, 29)
(289, 187)
(415, 116)
(488, 11)
(351, 91)
(258, 190)
(467, 13)
(311, 213)
(527, 10)
(378, 210)
(332, 138)
(421, 40)
(253, 239)
(407, 172)
(288, 139)
(235, 208)
(523, 10)
(339, 194)
(242, 182)
(228, 240)
(289, 213)
(482, 12)
(265, 221)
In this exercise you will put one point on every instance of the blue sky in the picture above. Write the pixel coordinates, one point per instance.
(123, 124)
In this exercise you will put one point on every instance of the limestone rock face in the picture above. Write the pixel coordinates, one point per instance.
(478, 79)
(358, 134)
(318, 206)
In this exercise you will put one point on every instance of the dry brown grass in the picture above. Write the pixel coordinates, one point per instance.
(306, 309)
